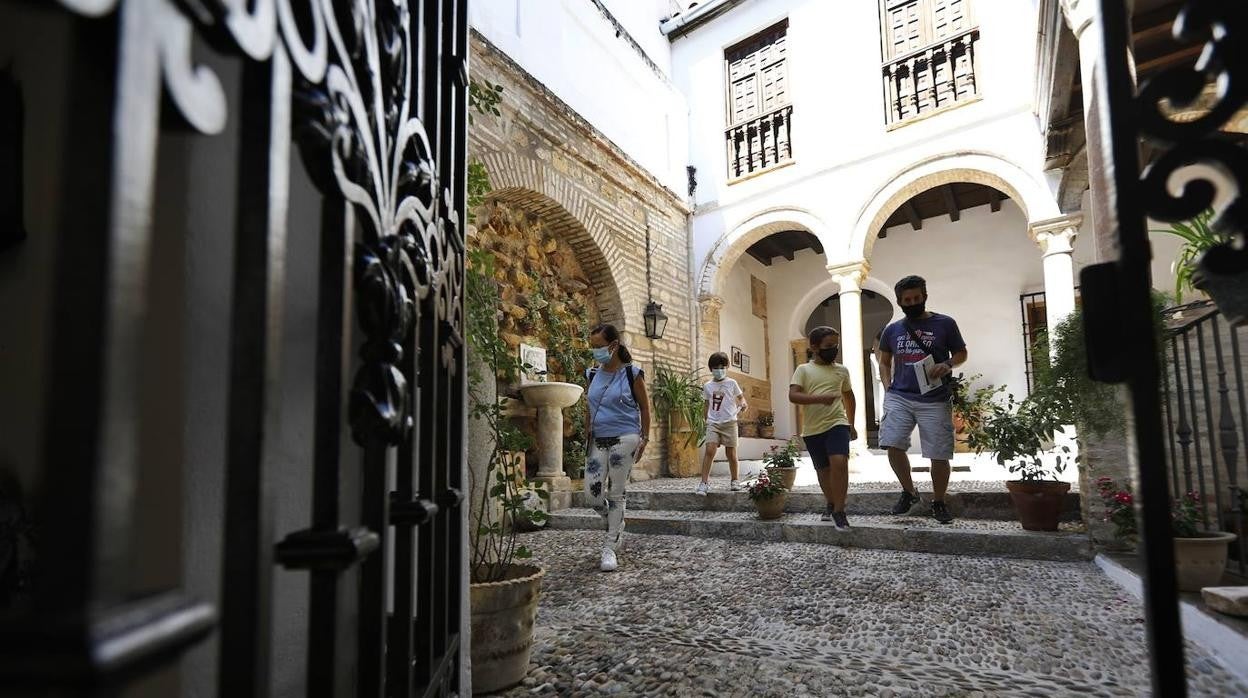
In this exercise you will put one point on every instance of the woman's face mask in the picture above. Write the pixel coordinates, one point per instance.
(828, 354)
(602, 354)
(719, 373)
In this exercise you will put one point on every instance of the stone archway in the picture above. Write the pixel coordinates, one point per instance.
(729, 248)
(726, 251)
(519, 184)
(991, 170)
(591, 258)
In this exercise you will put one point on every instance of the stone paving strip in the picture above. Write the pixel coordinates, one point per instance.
(903, 533)
(924, 485)
(704, 617)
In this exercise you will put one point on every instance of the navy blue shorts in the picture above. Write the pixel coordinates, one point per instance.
(833, 442)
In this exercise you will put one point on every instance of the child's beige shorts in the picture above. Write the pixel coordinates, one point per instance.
(724, 434)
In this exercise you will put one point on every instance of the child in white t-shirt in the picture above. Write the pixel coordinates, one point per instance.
(724, 401)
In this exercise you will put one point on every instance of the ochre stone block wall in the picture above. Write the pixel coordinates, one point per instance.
(592, 200)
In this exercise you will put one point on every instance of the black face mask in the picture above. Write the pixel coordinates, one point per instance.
(915, 311)
(828, 355)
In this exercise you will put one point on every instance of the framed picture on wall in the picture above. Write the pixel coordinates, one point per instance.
(736, 357)
(745, 363)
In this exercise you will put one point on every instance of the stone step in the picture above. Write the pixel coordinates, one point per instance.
(1003, 539)
(970, 505)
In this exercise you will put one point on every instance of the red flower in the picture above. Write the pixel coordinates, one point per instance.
(1123, 498)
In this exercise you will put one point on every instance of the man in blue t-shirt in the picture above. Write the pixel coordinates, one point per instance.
(909, 402)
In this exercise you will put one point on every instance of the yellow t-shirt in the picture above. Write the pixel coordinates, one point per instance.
(817, 379)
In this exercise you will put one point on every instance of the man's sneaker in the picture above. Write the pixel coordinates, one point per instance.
(903, 504)
(703, 488)
(608, 560)
(828, 514)
(735, 485)
(842, 523)
(941, 513)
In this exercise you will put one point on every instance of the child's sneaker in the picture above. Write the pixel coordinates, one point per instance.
(735, 485)
(608, 560)
(842, 522)
(703, 488)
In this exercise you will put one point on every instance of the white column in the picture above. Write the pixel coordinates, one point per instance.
(850, 278)
(1084, 22)
(1056, 238)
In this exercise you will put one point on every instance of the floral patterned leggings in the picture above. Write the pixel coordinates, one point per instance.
(606, 474)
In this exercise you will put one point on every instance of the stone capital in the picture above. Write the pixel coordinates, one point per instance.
(1056, 235)
(709, 301)
(1079, 15)
(850, 276)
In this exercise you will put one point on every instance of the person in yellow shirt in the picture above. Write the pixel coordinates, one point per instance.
(822, 390)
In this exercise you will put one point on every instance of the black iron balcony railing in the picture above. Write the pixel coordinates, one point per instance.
(1205, 405)
(930, 79)
(761, 142)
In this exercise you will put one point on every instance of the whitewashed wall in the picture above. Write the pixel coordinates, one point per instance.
(572, 49)
(842, 150)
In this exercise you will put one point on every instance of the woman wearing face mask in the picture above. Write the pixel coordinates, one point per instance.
(822, 389)
(617, 427)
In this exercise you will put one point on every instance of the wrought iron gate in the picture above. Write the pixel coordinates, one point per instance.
(373, 94)
(1118, 308)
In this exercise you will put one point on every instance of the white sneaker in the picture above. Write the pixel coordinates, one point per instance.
(609, 562)
(703, 488)
(735, 485)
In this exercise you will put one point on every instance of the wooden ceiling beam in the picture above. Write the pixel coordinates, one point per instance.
(951, 203)
(994, 200)
(912, 213)
(1169, 59)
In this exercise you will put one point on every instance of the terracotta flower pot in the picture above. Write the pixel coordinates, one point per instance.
(503, 614)
(1200, 562)
(1038, 502)
(767, 432)
(771, 507)
(786, 476)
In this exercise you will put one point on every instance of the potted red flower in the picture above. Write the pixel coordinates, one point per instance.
(768, 495)
(1199, 556)
(781, 463)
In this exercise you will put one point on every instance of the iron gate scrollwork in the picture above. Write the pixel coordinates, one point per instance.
(374, 95)
(1118, 307)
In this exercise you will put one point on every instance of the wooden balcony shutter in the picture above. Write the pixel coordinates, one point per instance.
(758, 86)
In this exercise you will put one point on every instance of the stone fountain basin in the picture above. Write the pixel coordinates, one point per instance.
(552, 394)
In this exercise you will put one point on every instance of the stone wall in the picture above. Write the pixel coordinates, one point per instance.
(544, 160)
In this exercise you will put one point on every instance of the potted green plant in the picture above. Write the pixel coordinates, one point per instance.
(1199, 556)
(1208, 262)
(504, 589)
(970, 407)
(766, 425)
(1020, 433)
(768, 495)
(781, 463)
(748, 428)
(678, 401)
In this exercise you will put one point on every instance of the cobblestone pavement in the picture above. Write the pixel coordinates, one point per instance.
(862, 520)
(692, 617)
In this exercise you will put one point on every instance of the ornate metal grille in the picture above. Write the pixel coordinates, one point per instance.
(373, 94)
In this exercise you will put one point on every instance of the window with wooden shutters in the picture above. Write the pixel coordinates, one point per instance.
(929, 56)
(759, 112)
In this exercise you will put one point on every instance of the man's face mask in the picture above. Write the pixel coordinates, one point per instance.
(828, 354)
(915, 311)
(719, 373)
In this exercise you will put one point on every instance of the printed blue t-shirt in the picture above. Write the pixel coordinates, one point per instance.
(940, 333)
